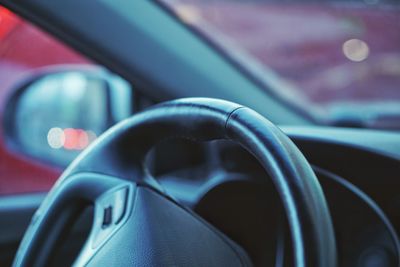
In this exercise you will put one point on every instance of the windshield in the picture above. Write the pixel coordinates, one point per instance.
(343, 57)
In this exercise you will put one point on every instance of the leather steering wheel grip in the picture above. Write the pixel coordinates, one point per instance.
(120, 152)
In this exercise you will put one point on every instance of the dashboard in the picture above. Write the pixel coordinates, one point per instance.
(359, 171)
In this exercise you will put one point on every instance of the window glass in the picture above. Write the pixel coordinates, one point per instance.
(64, 106)
(342, 57)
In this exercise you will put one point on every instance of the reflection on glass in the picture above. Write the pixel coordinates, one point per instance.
(70, 138)
(56, 138)
(62, 113)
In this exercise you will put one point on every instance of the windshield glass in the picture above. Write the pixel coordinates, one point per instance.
(343, 57)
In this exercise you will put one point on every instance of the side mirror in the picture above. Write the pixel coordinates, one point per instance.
(54, 114)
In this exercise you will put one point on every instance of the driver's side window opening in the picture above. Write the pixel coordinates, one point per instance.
(55, 102)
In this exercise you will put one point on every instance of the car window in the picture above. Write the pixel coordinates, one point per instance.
(64, 106)
(343, 57)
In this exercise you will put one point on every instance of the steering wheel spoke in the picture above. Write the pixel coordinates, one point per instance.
(111, 210)
(111, 198)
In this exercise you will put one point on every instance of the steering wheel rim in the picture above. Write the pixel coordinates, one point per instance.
(199, 119)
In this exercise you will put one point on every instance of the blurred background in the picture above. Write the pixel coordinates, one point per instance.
(340, 56)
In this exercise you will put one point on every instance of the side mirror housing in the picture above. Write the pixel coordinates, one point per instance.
(55, 113)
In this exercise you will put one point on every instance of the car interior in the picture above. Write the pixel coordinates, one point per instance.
(182, 155)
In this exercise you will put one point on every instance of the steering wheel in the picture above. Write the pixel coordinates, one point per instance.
(137, 224)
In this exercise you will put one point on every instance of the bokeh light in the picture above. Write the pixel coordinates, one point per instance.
(56, 138)
(91, 136)
(83, 139)
(188, 14)
(356, 50)
(70, 138)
